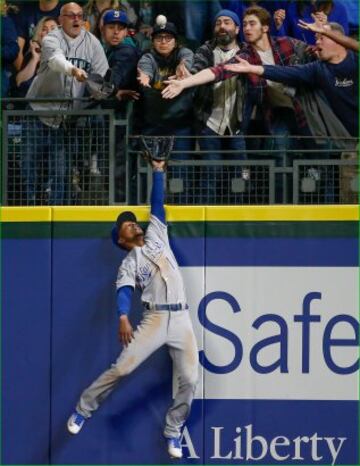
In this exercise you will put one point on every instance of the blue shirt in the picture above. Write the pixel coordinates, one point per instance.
(239, 7)
(290, 28)
(352, 9)
(339, 82)
(28, 17)
(9, 51)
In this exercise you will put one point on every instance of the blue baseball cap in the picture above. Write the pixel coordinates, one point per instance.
(115, 16)
(126, 216)
(229, 14)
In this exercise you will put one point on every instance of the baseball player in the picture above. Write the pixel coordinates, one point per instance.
(151, 266)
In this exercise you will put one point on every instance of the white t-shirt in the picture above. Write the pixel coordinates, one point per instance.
(223, 115)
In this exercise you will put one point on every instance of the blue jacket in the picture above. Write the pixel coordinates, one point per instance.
(339, 83)
(239, 7)
(9, 51)
(290, 28)
(123, 59)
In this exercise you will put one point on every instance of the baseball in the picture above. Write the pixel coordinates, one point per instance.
(161, 20)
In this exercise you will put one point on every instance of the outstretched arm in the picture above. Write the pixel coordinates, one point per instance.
(336, 36)
(241, 66)
(157, 191)
(292, 75)
(175, 87)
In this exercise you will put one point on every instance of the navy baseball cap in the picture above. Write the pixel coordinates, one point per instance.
(115, 16)
(228, 14)
(126, 216)
(168, 27)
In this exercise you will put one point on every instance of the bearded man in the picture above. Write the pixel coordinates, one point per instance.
(218, 106)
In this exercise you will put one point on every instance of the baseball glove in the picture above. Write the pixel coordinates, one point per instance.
(98, 87)
(156, 147)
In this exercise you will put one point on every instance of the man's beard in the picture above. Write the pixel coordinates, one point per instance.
(224, 39)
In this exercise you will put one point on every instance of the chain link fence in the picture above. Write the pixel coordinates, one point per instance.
(324, 174)
(66, 165)
(213, 183)
(326, 182)
(90, 159)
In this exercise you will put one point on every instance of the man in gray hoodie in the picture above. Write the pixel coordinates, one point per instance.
(68, 54)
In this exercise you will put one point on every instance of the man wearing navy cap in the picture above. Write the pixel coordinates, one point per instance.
(218, 107)
(122, 55)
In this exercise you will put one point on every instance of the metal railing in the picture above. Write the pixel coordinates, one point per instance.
(64, 157)
(317, 171)
(91, 159)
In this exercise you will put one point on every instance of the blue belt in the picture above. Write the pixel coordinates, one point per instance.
(165, 307)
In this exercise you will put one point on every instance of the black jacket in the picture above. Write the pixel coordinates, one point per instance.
(123, 59)
(204, 96)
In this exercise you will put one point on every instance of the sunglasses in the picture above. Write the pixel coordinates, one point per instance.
(164, 37)
(74, 16)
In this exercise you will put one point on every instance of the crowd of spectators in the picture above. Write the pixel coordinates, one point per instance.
(147, 49)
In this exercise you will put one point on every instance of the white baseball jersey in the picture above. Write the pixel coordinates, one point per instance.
(59, 54)
(153, 268)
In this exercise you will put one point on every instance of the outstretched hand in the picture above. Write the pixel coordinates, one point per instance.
(127, 94)
(317, 28)
(320, 19)
(143, 79)
(242, 66)
(181, 71)
(173, 88)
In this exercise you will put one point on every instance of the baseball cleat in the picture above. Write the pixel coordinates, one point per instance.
(75, 423)
(174, 448)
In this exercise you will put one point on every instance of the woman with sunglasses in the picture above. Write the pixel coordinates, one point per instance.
(161, 117)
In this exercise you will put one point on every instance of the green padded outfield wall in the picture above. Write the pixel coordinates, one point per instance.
(273, 295)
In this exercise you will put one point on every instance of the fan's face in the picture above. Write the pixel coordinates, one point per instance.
(114, 33)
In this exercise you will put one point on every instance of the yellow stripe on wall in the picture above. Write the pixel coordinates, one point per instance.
(25, 214)
(97, 214)
(183, 214)
(296, 213)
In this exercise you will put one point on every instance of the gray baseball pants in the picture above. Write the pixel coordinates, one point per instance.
(157, 328)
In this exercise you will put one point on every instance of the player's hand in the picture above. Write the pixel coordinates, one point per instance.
(158, 164)
(143, 79)
(279, 18)
(173, 88)
(126, 333)
(79, 74)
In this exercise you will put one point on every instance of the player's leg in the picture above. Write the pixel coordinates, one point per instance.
(184, 353)
(148, 337)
